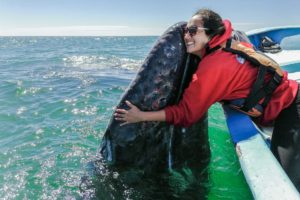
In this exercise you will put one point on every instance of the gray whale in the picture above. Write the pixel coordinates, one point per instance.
(134, 160)
(157, 84)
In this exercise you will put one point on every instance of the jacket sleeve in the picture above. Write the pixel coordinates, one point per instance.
(208, 86)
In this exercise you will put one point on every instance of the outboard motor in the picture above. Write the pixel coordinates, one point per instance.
(267, 45)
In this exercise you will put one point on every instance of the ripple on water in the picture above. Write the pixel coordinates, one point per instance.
(93, 61)
(14, 182)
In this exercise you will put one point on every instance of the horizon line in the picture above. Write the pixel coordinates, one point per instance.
(100, 31)
(83, 31)
(79, 35)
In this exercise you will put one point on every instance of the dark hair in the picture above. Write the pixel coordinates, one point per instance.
(212, 21)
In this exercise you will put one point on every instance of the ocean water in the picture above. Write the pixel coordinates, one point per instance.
(57, 95)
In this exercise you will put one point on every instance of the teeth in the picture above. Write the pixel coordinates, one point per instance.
(190, 43)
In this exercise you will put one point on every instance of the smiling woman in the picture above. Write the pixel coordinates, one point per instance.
(231, 71)
(201, 30)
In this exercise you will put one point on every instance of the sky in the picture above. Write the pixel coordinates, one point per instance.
(134, 17)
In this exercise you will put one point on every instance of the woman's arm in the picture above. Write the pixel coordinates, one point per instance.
(134, 115)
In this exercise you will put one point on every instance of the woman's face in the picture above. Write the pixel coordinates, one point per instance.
(195, 37)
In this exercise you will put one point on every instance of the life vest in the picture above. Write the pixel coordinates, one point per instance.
(261, 91)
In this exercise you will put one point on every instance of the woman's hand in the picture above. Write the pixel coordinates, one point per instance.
(133, 115)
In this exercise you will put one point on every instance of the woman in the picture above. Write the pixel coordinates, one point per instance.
(224, 76)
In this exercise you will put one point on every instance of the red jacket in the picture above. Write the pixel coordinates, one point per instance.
(221, 76)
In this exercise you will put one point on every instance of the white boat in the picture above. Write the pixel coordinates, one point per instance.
(264, 175)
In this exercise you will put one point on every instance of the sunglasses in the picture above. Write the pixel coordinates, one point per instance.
(192, 30)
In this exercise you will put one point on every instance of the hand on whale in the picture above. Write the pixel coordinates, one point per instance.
(134, 115)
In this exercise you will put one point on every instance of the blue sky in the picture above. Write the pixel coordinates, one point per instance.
(134, 17)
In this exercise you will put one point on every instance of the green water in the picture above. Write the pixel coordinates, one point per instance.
(226, 177)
